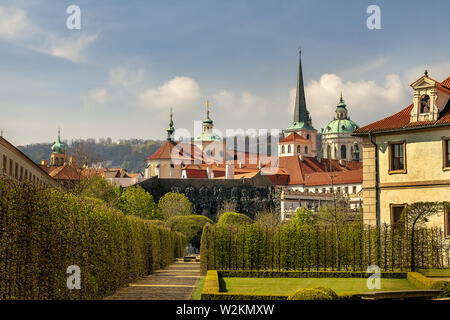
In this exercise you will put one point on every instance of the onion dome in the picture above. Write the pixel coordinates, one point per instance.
(59, 147)
(341, 122)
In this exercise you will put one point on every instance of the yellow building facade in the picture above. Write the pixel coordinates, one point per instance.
(406, 157)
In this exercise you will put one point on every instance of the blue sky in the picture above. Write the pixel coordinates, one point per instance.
(132, 60)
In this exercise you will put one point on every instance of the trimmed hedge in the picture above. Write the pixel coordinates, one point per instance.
(422, 282)
(309, 294)
(306, 274)
(43, 231)
(349, 247)
(328, 291)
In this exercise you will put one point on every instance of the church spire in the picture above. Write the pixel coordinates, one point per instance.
(301, 114)
(302, 118)
(171, 129)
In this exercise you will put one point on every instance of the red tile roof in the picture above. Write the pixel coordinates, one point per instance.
(337, 177)
(401, 119)
(294, 137)
(446, 83)
(299, 169)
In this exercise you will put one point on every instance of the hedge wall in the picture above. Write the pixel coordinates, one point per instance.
(43, 231)
(351, 247)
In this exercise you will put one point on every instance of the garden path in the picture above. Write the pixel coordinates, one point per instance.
(176, 282)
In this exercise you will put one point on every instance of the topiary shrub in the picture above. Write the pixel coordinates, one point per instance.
(233, 218)
(328, 291)
(309, 294)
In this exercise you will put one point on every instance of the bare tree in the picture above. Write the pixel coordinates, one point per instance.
(416, 215)
(227, 206)
(269, 219)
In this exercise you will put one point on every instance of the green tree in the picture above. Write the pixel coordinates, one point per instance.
(136, 201)
(191, 226)
(233, 218)
(174, 204)
(270, 219)
(97, 187)
(303, 216)
(416, 215)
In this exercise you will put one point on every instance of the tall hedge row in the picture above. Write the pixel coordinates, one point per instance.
(43, 231)
(351, 247)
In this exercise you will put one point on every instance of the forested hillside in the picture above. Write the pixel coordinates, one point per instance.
(128, 154)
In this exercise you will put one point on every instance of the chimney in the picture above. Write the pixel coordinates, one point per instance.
(209, 173)
(229, 171)
(259, 164)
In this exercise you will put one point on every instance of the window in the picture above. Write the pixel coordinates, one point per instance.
(5, 163)
(343, 152)
(307, 136)
(446, 152)
(299, 149)
(328, 152)
(324, 190)
(26, 174)
(21, 174)
(425, 104)
(396, 216)
(289, 148)
(282, 149)
(354, 189)
(397, 158)
(306, 150)
(10, 167)
(16, 171)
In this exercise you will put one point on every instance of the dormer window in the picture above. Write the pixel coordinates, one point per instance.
(425, 103)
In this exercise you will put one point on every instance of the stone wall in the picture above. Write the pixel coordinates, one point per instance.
(209, 195)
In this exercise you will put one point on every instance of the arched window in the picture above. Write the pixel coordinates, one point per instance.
(282, 149)
(425, 104)
(307, 136)
(299, 150)
(328, 152)
(306, 149)
(289, 148)
(343, 152)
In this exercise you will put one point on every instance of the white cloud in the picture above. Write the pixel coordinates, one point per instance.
(123, 77)
(178, 92)
(69, 49)
(15, 26)
(14, 23)
(438, 72)
(366, 100)
(97, 97)
(246, 102)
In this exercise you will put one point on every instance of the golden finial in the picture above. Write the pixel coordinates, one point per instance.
(207, 108)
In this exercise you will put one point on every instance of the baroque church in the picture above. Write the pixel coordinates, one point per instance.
(302, 177)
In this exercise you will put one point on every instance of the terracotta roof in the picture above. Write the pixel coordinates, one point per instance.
(294, 137)
(339, 177)
(446, 83)
(401, 119)
(306, 166)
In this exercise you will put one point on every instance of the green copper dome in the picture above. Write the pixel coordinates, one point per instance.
(59, 147)
(341, 122)
(340, 126)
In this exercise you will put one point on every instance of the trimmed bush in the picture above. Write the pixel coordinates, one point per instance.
(43, 231)
(191, 226)
(422, 282)
(309, 294)
(349, 247)
(306, 274)
(328, 291)
(211, 283)
(233, 219)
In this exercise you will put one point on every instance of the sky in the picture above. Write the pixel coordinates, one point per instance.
(131, 61)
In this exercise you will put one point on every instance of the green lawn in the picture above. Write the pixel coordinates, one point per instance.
(285, 286)
(197, 294)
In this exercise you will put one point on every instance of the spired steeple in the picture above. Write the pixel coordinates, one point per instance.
(171, 129)
(302, 119)
(341, 109)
